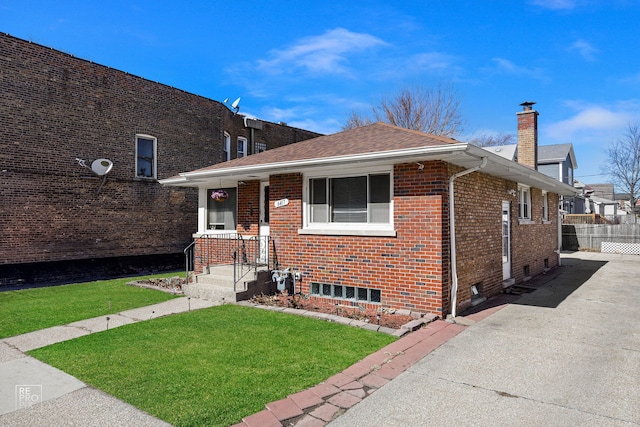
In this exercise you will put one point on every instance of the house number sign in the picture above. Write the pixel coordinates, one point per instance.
(280, 203)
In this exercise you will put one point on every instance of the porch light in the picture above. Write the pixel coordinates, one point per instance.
(219, 195)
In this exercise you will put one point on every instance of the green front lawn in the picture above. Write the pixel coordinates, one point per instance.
(39, 308)
(212, 367)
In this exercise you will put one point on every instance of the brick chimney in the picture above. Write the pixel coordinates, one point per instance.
(528, 136)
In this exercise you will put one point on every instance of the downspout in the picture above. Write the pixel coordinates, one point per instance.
(559, 233)
(452, 235)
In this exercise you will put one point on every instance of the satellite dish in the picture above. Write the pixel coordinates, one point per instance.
(236, 105)
(101, 167)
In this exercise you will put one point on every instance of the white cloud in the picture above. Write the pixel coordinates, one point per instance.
(433, 61)
(506, 66)
(584, 49)
(591, 123)
(324, 54)
(556, 4)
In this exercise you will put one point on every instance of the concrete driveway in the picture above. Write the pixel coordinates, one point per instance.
(567, 354)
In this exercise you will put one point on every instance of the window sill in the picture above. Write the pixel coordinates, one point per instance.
(522, 221)
(348, 232)
(546, 221)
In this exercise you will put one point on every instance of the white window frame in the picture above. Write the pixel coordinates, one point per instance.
(346, 228)
(243, 152)
(524, 203)
(154, 160)
(545, 207)
(227, 147)
(213, 228)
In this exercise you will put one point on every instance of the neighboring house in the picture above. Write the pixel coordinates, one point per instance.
(365, 216)
(62, 221)
(557, 161)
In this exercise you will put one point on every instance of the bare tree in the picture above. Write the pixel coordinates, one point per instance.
(435, 111)
(355, 121)
(624, 163)
(486, 140)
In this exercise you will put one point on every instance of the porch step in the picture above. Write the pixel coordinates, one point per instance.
(217, 285)
(211, 292)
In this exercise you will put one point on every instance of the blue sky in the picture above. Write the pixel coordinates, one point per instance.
(310, 63)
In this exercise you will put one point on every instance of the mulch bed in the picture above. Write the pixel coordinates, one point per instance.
(169, 284)
(382, 316)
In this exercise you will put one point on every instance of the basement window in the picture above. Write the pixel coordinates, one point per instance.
(350, 293)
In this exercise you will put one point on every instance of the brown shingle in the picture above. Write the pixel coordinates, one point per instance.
(377, 137)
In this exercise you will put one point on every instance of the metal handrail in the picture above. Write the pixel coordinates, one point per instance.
(188, 251)
(245, 253)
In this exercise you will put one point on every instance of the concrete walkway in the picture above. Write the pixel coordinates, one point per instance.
(567, 354)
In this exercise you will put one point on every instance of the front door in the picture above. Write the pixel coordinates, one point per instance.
(264, 223)
(506, 241)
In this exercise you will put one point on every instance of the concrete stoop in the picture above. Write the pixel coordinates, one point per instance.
(210, 292)
(217, 285)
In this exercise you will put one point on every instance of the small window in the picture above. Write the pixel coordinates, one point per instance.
(242, 147)
(326, 290)
(337, 291)
(260, 147)
(146, 147)
(353, 293)
(226, 155)
(545, 206)
(315, 288)
(524, 202)
(350, 292)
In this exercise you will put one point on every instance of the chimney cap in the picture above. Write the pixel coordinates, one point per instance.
(527, 105)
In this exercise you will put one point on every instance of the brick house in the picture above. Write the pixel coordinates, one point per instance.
(364, 215)
(60, 220)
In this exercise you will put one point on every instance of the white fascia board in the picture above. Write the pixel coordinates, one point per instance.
(327, 161)
(173, 180)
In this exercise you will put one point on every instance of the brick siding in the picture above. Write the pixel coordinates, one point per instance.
(412, 269)
(56, 108)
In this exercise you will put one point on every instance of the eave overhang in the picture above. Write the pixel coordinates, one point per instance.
(462, 154)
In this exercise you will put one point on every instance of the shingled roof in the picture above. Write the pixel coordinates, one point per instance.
(375, 145)
(377, 137)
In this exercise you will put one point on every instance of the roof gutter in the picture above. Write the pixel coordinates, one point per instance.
(452, 235)
(338, 160)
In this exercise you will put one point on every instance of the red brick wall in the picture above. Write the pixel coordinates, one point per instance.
(478, 209)
(409, 268)
(535, 242)
(413, 268)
